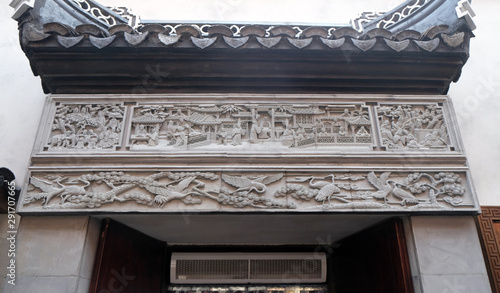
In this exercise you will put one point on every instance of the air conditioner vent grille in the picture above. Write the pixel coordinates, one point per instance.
(251, 268)
(285, 269)
(212, 269)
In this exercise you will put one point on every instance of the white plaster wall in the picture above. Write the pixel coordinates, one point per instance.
(21, 101)
(476, 96)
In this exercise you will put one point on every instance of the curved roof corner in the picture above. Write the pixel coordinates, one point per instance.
(420, 15)
(69, 12)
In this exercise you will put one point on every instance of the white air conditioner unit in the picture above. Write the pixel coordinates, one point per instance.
(247, 268)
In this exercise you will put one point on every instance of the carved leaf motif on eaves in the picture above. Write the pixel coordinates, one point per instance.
(246, 191)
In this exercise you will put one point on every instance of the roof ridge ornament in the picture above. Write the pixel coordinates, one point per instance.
(364, 17)
(20, 7)
(95, 11)
(133, 19)
(464, 10)
(387, 19)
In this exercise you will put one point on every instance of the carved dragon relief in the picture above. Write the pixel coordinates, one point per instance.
(279, 191)
(86, 127)
(413, 127)
(240, 127)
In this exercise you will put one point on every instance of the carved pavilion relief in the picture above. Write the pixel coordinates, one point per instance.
(413, 127)
(242, 127)
(86, 127)
(221, 190)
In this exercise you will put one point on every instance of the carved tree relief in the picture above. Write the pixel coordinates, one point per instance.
(413, 127)
(86, 127)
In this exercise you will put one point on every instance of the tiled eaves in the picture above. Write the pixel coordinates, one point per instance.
(435, 39)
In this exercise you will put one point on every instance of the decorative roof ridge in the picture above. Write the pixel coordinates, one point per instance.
(419, 15)
(387, 19)
(253, 36)
(71, 12)
(418, 57)
(416, 15)
(105, 15)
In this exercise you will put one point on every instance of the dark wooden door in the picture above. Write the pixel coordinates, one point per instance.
(374, 260)
(127, 261)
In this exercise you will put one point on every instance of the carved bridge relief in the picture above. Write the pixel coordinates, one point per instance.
(413, 127)
(249, 126)
(266, 190)
(86, 127)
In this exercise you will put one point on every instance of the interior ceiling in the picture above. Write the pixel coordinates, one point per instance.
(249, 229)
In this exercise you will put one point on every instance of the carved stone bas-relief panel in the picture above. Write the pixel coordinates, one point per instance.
(413, 127)
(221, 190)
(170, 127)
(209, 153)
(86, 127)
(243, 127)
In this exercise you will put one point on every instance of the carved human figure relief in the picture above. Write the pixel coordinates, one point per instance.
(86, 127)
(257, 190)
(413, 127)
(243, 127)
(146, 125)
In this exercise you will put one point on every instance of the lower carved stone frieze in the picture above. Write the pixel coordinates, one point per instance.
(221, 190)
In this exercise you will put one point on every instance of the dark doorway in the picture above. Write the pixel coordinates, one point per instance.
(127, 261)
(374, 261)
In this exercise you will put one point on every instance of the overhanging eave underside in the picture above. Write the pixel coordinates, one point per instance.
(149, 70)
